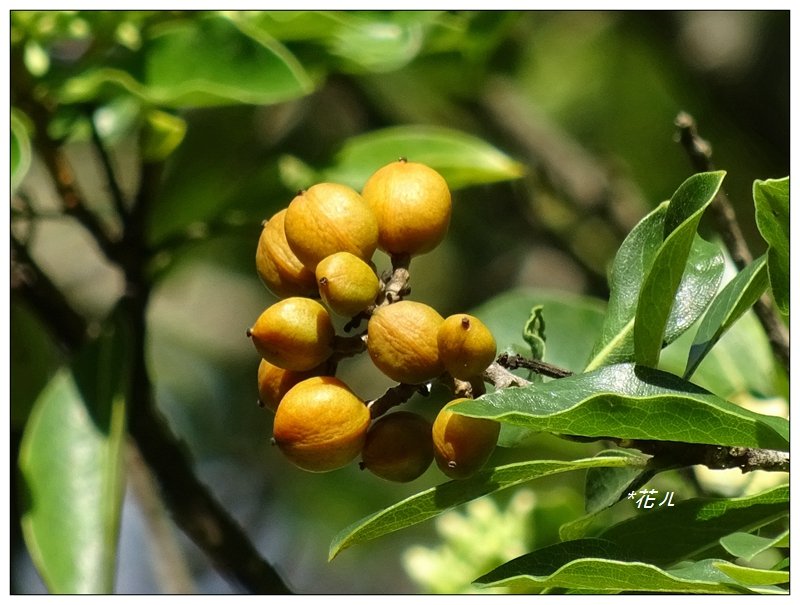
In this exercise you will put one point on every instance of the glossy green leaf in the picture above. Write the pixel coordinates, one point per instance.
(772, 217)
(434, 501)
(21, 152)
(461, 159)
(229, 64)
(597, 565)
(657, 296)
(668, 535)
(752, 576)
(631, 402)
(71, 465)
(632, 264)
(747, 546)
(729, 305)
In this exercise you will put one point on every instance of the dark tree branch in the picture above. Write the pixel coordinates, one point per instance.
(699, 153)
(117, 197)
(513, 362)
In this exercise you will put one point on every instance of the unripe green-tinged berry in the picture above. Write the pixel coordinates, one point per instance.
(321, 424)
(294, 334)
(277, 266)
(413, 205)
(461, 444)
(347, 284)
(466, 346)
(275, 382)
(401, 340)
(398, 447)
(329, 218)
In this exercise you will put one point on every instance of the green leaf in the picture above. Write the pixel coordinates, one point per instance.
(596, 565)
(631, 402)
(730, 304)
(161, 134)
(658, 292)
(632, 264)
(751, 576)
(699, 523)
(71, 464)
(21, 153)
(772, 217)
(434, 501)
(461, 159)
(533, 332)
(747, 546)
(606, 485)
(573, 324)
(229, 64)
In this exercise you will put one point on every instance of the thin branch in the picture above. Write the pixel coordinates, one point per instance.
(699, 152)
(117, 197)
(501, 378)
(671, 454)
(396, 395)
(513, 362)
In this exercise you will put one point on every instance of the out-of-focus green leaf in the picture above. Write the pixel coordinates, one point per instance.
(631, 402)
(668, 535)
(730, 304)
(432, 502)
(71, 462)
(229, 65)
(657, 296)
(596, 565)
(632, 265)
(162, 132)
(21, 153)
(462, 159)
(747, 546)
(772, 217)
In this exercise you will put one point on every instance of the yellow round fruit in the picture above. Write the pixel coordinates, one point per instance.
(320, 424)
(401, 340)
(413, 205)
(346, 283)
(466, 346)
(329, 218)
(277, 266)
(294, 334)
(275, 382)
(461, 444)
(398, 447)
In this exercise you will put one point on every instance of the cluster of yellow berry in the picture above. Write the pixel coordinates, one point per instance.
(321, 246)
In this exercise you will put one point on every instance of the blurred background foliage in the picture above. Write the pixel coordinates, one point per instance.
(555, 128)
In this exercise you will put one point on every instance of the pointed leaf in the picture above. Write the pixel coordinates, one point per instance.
(657, 295)
(631, 402)
(667, 535)
(596, 565)
(747, 546)
(461, 159)
(432, 502)
(730, 304)
(632, 264)
(71, 463)
(751, 576)
(772, 217)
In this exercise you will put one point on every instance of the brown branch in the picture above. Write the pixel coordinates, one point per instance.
(501, 378)
(396, 395)
(513, 362)
(117, 197)
(672, 454)
(699, 152)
